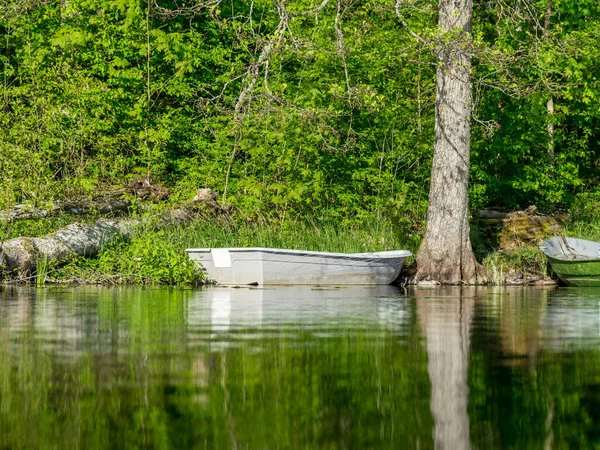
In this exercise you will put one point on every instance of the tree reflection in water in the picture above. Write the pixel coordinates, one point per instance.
(445, 316)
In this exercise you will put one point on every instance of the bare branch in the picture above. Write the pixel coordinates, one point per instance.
(311, 11)
(405, 25)
(251, 78)
(12, 9)
(253, 71)
(340, 47)
(190, 11)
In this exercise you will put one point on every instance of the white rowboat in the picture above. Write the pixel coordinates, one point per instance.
(279, 266)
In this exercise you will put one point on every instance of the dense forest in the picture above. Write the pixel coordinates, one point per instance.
(293, 108)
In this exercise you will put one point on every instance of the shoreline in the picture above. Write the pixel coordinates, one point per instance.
(153, 252)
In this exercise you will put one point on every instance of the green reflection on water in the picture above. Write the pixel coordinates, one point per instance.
(132, 368)
(534, 370)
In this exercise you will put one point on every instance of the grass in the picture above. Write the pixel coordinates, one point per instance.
(156, 256)
(308, 235)
(522, 262)
(42, 270)
(584, 230)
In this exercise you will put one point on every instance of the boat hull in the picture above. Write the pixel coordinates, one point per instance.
(288, 267)
(577, 273)
(575, 261)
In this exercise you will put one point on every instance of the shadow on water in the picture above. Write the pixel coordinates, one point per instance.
(308, 367)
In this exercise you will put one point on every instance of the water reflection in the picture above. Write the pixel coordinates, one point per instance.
(445, 316)
(500, 361)
(301, 306)
(299, 367)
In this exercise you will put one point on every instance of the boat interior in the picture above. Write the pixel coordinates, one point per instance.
(571, 249)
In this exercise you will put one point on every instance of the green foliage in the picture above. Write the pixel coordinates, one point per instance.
(147, 259)
(586, 208)
(524, 61)
(98, 91)
(95, 92)
(584, 220)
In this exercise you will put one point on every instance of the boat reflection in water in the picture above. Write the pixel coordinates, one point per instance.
(301, 306)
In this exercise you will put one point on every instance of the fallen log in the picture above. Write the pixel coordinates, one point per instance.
(74, 207)
(491, 215)
(508, 230)
(20, 257)
(108, 202)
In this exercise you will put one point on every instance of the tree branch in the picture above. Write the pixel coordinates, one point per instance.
(405, 25)
(310, 11)
(340, 47)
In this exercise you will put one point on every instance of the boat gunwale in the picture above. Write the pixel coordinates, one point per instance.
(574, 259)
(389, 254)
(564, 256)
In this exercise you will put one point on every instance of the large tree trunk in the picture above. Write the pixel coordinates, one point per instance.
(446, 254)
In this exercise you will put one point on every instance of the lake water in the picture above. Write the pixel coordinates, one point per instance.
(293, 368)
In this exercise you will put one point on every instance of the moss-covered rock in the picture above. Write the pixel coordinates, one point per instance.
(509, 230)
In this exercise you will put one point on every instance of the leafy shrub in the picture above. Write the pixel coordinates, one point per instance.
(148, 259)
(586, 207)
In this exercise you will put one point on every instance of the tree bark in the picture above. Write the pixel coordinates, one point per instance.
(446, 254)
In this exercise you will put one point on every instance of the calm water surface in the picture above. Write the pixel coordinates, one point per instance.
(293, 368)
